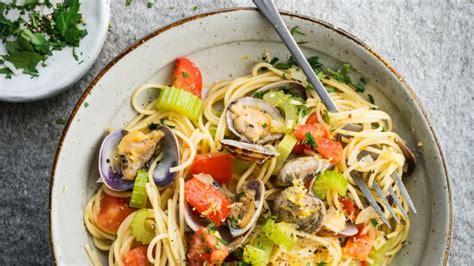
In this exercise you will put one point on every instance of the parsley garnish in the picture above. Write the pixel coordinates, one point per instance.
(258, 94)
(304, 110)
(86, 104)
(264, 125)
(153, 126)
(326, 116)
(309, 139)
(274, 60)
(128, 2)
(286, 65)
(322, 264)
(211, 227)
(185, 74)
(373, 222)
(233, 222)
(31, 38)
(296, 30)
(194, 8)
(371, 99)
(60, 121)
(330, 89)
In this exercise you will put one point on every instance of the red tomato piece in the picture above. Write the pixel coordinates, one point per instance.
(205, 247)
(112, 213)
(219, 165)
(209, 202)
(300, 148)
(318, 131)
(136, 257)
(359, 246)
(330, 149)
(312, 119)
(187, 76)
(349, 208)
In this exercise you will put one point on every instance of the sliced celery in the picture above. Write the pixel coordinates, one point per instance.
(284, 148)
(378, 256)
(330, 180)
(138, 199)
(142, 227)
(255, 256)
(283, 234)
(283, 101)
(180, 101)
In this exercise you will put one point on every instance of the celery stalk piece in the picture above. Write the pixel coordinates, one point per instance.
(180, 101)
(139, 197)
(330, 180)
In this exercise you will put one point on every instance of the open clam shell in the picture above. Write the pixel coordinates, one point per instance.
(109, 164)
(234, 236)
(257, 104)
(247, 151)
(303, 168)
(110, 169)
(293, 88)
(258, 190)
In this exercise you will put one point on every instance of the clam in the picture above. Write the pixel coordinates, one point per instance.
(302, 168)
(248, 151)
(244, 212)
(252, 120)
(293, 88)
(123, 153)
(294, 205)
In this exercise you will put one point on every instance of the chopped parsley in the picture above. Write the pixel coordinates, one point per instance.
(330, 89)
(273, 61)
(185, 74)
(326, 116)
(60, 121)
(371, 99)
(309, 139)
(194, 8)
(211, 227)
(264, 125)
(322, 264)
(258, 94)
(128, 2)
(233, 222)
(296, 30)
(288, 64)
(238, 196)
(304, 110)
(373, 221)
(86, 104)
(341, 76)
(153, 126)
(31, 37)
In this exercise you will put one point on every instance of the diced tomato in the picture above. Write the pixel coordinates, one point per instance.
(136, 257)
(312, 119)
(299, 149)
(330, 149)
(359, 246)
(112, 213)
(318, 131)
(364, 263)
(209, 202)
(187, 76)
(219, 165)
(206, 247)
(349, 209)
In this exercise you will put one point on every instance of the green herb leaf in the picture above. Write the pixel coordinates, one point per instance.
(308, 139)
(264, 125)
(86, 104)
(304, 110)
(153, 126)
(185, 74)
(371, 99)
(233, 222)
(211, 227)
(274, 60)
(373, 221)
(258, 94)
(326, 116)
(296, 30)
(194, 8)
(60, 121)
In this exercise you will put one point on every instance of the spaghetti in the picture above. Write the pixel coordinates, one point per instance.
(372, 152)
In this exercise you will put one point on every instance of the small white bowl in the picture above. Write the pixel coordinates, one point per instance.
(62, 69)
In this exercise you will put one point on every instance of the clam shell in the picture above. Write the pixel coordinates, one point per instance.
(292, 87)
(247, 151)
(112, 176)
(257, 104)
(304, 168)
(259, 188)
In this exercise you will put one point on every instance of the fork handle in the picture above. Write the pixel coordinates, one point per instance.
(269, 11)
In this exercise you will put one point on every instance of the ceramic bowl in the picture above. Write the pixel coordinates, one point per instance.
(62, 70)
(225, 44)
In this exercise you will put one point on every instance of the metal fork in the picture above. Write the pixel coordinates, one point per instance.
(269, 11)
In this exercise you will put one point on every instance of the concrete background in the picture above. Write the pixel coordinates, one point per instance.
(429, 42)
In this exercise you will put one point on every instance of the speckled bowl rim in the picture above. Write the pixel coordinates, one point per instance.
(330, 26)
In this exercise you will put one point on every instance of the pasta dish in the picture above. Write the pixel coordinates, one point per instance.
(257, 172)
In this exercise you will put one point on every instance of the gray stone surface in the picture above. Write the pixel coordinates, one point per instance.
(429, 42)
